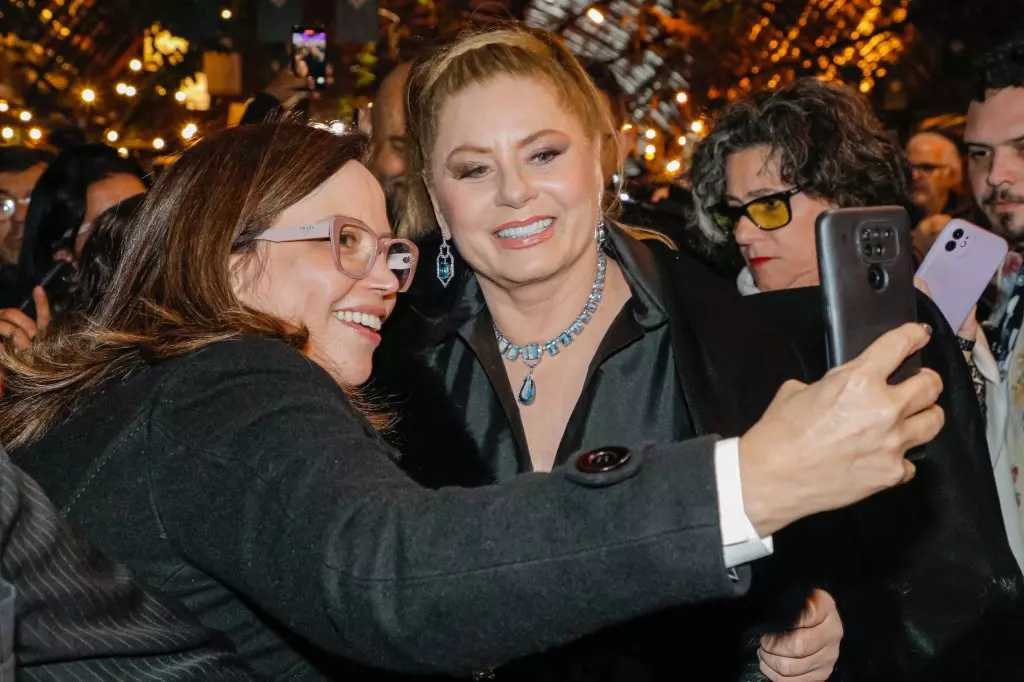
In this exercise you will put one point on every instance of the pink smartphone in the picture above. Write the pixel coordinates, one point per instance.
(959, 266)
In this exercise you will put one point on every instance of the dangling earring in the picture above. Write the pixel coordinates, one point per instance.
(445, 263)
(599, 231)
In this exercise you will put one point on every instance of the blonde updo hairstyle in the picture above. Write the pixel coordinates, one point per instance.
(475, 57)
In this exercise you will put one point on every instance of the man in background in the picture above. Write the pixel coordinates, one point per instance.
(387, 160)
(938, 185)
(994, 136)
(20, 169)
(938, 173)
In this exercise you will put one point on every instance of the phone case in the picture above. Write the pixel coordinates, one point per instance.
(867, 280)
(54, 279)
(959, 266)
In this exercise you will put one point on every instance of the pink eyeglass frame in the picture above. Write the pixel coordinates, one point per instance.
(330, 228)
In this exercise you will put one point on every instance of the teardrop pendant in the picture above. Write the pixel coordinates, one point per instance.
(445, 264)
(528, 391)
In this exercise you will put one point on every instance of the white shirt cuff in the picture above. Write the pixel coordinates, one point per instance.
(740, 542)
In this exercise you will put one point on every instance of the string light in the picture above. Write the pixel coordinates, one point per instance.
(112, 136)
(135, 65)
(130, 91)
(651, 134)
(188, 132)
(88, 96)
(627, 126)
(35, 134)
(25, 116)
(123, 151)
(225, 14)
(7, 132)
(697, 127)
(180, 96)
(4, 106)
(650, 150)
(681, 140)
(595, 15)
(121, 88)
(158, 143)
(682, 97)
(673, 166)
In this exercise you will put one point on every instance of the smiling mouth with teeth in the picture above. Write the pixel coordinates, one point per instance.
(533, 228)
(365, 319)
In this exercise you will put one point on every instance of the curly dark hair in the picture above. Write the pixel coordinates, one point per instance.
(826, 138)
(999, 68)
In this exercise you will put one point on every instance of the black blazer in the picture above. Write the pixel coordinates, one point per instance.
(732, 353)
(240, 480)
(73, 615)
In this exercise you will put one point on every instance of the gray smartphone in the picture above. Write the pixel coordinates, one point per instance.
(867, 280)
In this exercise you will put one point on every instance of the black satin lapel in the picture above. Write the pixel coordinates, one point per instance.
(479, 335)
(703, 399)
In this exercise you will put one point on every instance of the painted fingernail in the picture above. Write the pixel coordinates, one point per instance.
(927, 328)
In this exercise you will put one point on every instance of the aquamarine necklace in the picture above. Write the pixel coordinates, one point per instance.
(533, 353)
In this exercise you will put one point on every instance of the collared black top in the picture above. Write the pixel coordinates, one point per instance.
(633, 366)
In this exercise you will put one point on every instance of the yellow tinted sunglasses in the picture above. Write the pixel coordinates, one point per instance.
(770, 212)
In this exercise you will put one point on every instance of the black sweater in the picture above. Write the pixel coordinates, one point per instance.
(240, 480)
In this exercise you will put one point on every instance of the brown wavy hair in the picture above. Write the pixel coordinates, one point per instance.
(171, 292)
(827, 140)
(476, 56)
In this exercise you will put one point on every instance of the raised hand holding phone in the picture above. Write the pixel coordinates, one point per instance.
(959, 266)
(288, 87)
(309, 56)
(867, 288)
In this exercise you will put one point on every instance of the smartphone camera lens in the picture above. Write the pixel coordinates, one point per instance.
(950, 246)
(876, 277)
(866, 249)
(957, 233)
(887, 234)
(878, 250)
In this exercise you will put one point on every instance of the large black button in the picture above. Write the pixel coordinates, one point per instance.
(603, 460)
(604, 466)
